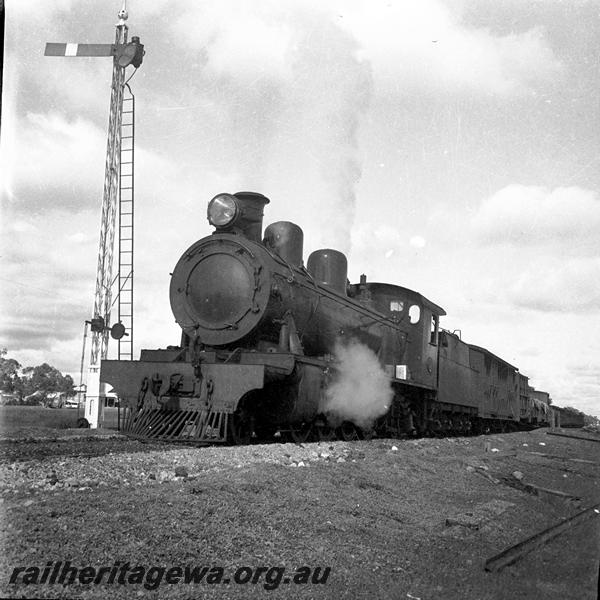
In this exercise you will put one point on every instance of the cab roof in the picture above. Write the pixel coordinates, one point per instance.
(391, 289)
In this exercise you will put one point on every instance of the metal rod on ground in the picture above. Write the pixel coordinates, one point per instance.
(518, 551)
(573, 437)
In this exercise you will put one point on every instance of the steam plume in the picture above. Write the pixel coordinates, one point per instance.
(361, 391)
(333, 88)
(284, 88)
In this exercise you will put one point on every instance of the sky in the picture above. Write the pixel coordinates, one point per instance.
(451, 147)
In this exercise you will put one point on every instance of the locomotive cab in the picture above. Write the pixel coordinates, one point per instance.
(419, 318)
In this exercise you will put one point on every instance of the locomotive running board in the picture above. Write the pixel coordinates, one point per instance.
(196, 426)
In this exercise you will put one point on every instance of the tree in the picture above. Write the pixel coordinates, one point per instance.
(10, 381)
(46, 379)
(32, 383)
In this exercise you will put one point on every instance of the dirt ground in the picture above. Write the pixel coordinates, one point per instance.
(389, 518)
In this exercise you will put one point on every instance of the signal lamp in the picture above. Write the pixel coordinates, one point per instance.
(97, 324)
(131, 53)
(117, 331)
(222, 210)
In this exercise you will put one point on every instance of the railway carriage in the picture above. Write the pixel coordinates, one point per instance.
(497, 388)
(568, 417)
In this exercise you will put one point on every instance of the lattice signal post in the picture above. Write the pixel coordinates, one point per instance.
(117, 197)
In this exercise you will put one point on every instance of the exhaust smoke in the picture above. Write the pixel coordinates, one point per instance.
(360, 391)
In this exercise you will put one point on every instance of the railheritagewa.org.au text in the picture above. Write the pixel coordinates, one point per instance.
(151, 577)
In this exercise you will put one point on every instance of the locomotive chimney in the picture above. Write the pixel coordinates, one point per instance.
(250, 222)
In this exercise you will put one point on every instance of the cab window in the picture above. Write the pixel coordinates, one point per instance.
(396, 306)
(414, 313)
(434, 329)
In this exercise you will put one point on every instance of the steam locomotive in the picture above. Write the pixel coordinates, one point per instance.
(262, 340)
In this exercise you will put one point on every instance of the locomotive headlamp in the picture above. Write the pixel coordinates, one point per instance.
(222, 210)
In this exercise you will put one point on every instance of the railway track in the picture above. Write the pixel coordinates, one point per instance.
(36, 448)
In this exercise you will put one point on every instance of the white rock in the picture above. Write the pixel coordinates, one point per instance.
(517, 475)
(164, 476)
(394, 448)
(495, 450)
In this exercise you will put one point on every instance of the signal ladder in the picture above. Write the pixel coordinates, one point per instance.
(126, 194)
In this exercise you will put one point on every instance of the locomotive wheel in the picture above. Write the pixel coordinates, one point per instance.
(367, 434)
(302, 434)
(348, 431)
(240, 429)
(325, 433)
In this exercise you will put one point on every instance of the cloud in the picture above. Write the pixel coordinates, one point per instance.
(22, 227)
(38, 246)
(377, 238)
(525, 247)
(238, 40)
(425, 46)
(417, 241)
(274, 100)
(56, 155)
(34, 10)
(61, 161)
(589, 372)
(530, 215)
(551, 285)
(47, 279)
(412, 47)
(376, 250)
(64, 84)
(569, 391)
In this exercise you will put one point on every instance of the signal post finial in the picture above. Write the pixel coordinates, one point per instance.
(123, 14)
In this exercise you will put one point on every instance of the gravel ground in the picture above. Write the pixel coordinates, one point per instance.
(391, 518)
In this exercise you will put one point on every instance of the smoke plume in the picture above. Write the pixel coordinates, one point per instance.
(331, 88)
(281, 90)
(361, 390)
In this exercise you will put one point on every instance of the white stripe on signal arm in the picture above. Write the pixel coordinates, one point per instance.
(71, 50)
